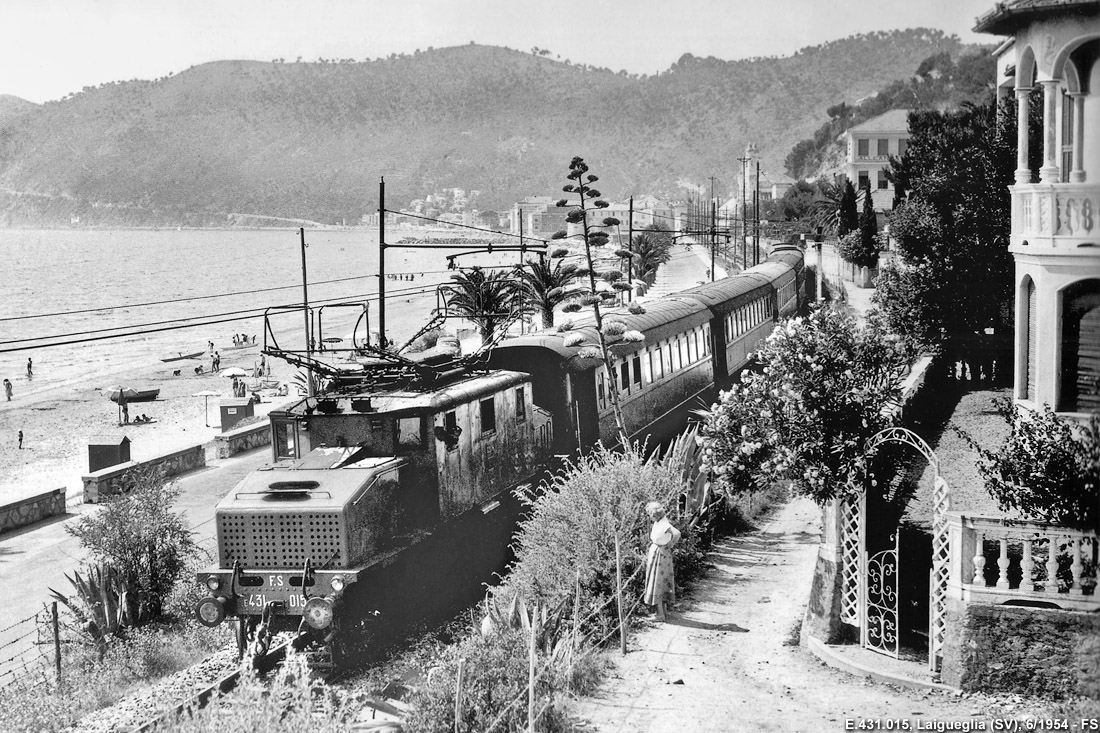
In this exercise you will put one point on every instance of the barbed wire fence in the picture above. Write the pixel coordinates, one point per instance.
(30, 649)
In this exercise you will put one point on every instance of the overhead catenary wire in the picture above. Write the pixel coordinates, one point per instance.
(178, 327)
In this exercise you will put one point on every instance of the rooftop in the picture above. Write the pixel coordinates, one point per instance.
(896, 120)
(1008, 17)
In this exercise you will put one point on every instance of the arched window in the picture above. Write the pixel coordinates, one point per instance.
(1081, 347)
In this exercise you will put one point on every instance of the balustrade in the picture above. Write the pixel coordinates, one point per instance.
(1069, 211)
(996, 561)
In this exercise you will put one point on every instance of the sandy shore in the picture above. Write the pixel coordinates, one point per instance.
(58, 421)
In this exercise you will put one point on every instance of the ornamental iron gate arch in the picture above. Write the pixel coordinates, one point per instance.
(869, 584)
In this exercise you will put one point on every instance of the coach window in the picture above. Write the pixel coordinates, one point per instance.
(637, 361)
(488, 415)
(706, 340)
(658, 363)
(650, 377)
(521, 404)
(674, 355)
(624, 376)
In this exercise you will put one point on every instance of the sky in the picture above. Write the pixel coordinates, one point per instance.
(49, 48)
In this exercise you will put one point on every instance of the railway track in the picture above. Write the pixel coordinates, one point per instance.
(222, 685)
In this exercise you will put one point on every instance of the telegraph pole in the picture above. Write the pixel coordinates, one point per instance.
(744, 212)
(630, 248)
(756, 210)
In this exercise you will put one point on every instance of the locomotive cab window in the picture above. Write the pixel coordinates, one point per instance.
(450, 428)
(409, 433)
(521, 404)
(488, 416)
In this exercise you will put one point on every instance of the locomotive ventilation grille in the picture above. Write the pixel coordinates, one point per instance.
(282, 541)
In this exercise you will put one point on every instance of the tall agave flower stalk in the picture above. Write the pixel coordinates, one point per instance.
(595, 235)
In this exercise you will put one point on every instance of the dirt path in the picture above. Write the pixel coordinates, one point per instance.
(728, 659)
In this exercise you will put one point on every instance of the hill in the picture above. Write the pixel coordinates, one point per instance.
(311, 140)
(12, 107)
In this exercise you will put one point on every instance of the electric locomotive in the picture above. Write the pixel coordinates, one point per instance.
(363, 475)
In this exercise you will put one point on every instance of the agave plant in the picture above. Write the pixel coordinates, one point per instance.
(100, 604)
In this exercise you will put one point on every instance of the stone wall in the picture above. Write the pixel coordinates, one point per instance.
(113, 480)
(32, 509)
(243, 439)
(1035, 651)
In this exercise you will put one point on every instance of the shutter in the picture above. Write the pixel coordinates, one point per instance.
(1087, 356)
(1032, 327)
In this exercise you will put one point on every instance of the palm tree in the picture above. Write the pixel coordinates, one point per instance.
(826, 210)
(544, 287)
(489, 300)
(651, 249)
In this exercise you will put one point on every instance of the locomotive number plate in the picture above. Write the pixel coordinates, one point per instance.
(275, 587)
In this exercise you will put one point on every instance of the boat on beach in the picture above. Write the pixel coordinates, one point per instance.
(141, 395)
(181, 356)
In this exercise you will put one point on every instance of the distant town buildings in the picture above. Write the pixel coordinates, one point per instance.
(870, 145)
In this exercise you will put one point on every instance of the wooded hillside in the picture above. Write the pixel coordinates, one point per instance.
(311, 140)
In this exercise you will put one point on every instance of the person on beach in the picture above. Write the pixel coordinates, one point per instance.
(7, 388)
(30, 368)
(20, 440)
(125, 414)
(215, 362)
(660, 576)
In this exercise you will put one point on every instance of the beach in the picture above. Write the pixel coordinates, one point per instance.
(59, 421)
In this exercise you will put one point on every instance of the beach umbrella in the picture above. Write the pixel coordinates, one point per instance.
(117, 391)
(233, 372)
(120, 393)
(207, 394)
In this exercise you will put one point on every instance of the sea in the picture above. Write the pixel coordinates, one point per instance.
(85, 303)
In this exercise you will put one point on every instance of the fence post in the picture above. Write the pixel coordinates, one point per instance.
(458, 695)
(619, 593)
(56, 641)
(531, 682)
(577, 611)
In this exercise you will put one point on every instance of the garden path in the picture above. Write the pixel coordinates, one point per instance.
(728, 659)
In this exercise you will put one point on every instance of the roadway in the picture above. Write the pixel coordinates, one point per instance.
(36, 558)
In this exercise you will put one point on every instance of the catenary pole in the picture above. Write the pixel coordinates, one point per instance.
(382, 262)
(305, 314)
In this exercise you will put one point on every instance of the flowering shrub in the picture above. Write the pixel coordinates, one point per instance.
(1048, 468)
(824, 387)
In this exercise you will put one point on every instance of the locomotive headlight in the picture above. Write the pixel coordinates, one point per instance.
(337, 582)
(210, 611)
(318, 612)
(213, 582)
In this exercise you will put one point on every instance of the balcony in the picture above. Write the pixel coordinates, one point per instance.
(996, 561)
(1055, 217)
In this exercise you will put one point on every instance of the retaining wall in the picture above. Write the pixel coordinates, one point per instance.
(243, 439)
(1018, 649)
(113, 480)
(32, 509)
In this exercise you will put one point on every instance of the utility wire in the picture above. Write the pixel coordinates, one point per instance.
(179, 300)
(217, 319)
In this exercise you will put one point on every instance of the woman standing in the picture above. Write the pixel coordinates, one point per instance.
(660, 576)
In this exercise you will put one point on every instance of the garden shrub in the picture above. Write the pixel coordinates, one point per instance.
(1048, 468)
